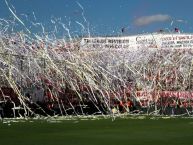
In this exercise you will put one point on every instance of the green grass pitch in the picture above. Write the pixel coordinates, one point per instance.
(121, 131)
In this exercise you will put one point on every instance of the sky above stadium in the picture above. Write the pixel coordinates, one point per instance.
(99, 17)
